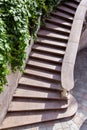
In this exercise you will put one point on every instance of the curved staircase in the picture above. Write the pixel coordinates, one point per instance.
(38, 95)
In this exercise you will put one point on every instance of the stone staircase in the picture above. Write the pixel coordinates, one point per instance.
(38, 95)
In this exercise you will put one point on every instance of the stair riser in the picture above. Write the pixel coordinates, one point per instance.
(36, 110)
(39, 99)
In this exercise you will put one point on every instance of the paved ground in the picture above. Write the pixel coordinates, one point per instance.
(79, 121)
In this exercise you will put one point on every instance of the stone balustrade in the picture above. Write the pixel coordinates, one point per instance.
(67, 74)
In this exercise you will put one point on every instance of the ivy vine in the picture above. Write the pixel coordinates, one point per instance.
(18, 22)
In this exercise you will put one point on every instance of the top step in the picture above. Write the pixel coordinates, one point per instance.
(66, 10)
(70, 5)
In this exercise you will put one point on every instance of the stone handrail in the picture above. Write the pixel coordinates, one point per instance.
(67, 73)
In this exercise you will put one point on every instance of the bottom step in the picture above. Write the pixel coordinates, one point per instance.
(19, 119)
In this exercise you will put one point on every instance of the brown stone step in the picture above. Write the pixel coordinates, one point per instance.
(38, 99)
(40, 83)
(53, 38)
(35, 88)
(19, 119)
(49, 42)
(48, 50)
(53, 30)
(75, 1)
(61, 15)
(66, 10)
(70, 5)
(40, 88)
(42, 78)
(36, 92)
(45, 60)
(43, 74)
(44, 66)
(53, 69)
(52, 45)
(57, 28)
(60, 23)
(47, 33)
(46, 57)
(26, 104)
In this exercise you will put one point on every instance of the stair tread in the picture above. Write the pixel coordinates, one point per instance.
(55, 30)
(44, 65)
(42, 73)
(25, 118)
(46, 57)
(40, 83)
(28, 105)
(76, 1)
(66, 10)
(31, 92)
(60, 21)
(48, 49)
(66, 16)
(40, 39)
(51, 34)
(71, 4)
(55, 27)
(51, 42)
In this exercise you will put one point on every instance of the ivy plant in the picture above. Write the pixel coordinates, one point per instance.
(18, 22)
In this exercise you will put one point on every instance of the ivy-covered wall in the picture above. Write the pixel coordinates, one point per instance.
(18, 22)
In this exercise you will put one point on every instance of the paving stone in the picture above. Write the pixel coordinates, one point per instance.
(59, 129)
(58, 126)
(50, 128)
(66, 128)
(78, 121)
(34, 128)
(70, 122)
(64, 125)
(42, 128)
(84, 126)
(74, 126)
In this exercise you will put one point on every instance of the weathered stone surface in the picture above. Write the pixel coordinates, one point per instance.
(71, 51)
